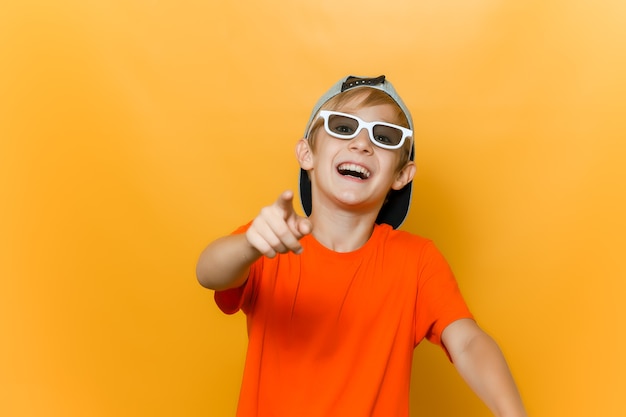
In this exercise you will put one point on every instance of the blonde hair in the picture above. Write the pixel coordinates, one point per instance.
(370, 97)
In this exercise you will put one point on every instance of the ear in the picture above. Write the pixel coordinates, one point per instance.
(404, 176)
(304, 154)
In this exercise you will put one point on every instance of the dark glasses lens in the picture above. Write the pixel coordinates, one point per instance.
(342, 125)
(387, 135)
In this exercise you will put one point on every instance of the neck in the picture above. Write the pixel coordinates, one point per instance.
(342, 231)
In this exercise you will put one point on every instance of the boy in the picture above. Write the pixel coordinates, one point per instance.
(336, 302)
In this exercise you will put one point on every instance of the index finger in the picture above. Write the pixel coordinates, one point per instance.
(285, 202)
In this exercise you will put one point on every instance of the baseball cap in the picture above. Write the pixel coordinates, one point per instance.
(396, 207)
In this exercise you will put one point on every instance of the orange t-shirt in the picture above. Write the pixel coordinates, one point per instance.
(333, 334)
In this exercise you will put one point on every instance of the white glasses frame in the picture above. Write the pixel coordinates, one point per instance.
(362, 124)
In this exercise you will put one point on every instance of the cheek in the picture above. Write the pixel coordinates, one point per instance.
(327, 146)
(390, 160)
(402, 158)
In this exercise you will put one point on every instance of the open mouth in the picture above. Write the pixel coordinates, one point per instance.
(353, 170)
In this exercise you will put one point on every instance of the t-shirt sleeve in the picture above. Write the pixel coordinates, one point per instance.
(439, 299)
(232, 300)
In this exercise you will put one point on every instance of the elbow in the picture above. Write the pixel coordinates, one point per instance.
(206, 273)
(204, 283)
(204, 279)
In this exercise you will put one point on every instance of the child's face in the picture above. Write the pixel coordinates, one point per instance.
(355, 172)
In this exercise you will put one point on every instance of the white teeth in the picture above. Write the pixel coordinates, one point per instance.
(354, 168)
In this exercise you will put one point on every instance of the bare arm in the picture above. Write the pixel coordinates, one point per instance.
(225, 263)
(480, 362)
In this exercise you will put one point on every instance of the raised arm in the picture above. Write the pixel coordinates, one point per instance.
(225, 263)
(480, 362)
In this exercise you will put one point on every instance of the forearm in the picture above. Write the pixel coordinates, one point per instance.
(225, 263)
(482, 365)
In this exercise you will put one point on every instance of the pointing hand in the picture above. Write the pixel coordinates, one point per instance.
(278, 228)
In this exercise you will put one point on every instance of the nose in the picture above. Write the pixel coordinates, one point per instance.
(361, 142)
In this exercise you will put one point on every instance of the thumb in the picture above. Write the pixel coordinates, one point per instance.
(304, 226)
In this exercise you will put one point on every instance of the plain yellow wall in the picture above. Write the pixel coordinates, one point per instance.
(134, 132)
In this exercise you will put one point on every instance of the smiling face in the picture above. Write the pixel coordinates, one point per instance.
(354, 174)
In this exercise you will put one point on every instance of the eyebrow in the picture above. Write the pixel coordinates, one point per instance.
(351, 111)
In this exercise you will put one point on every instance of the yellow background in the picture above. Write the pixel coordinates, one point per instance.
(134, 132)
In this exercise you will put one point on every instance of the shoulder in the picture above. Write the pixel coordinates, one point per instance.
(388, 235)
(405, 246)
